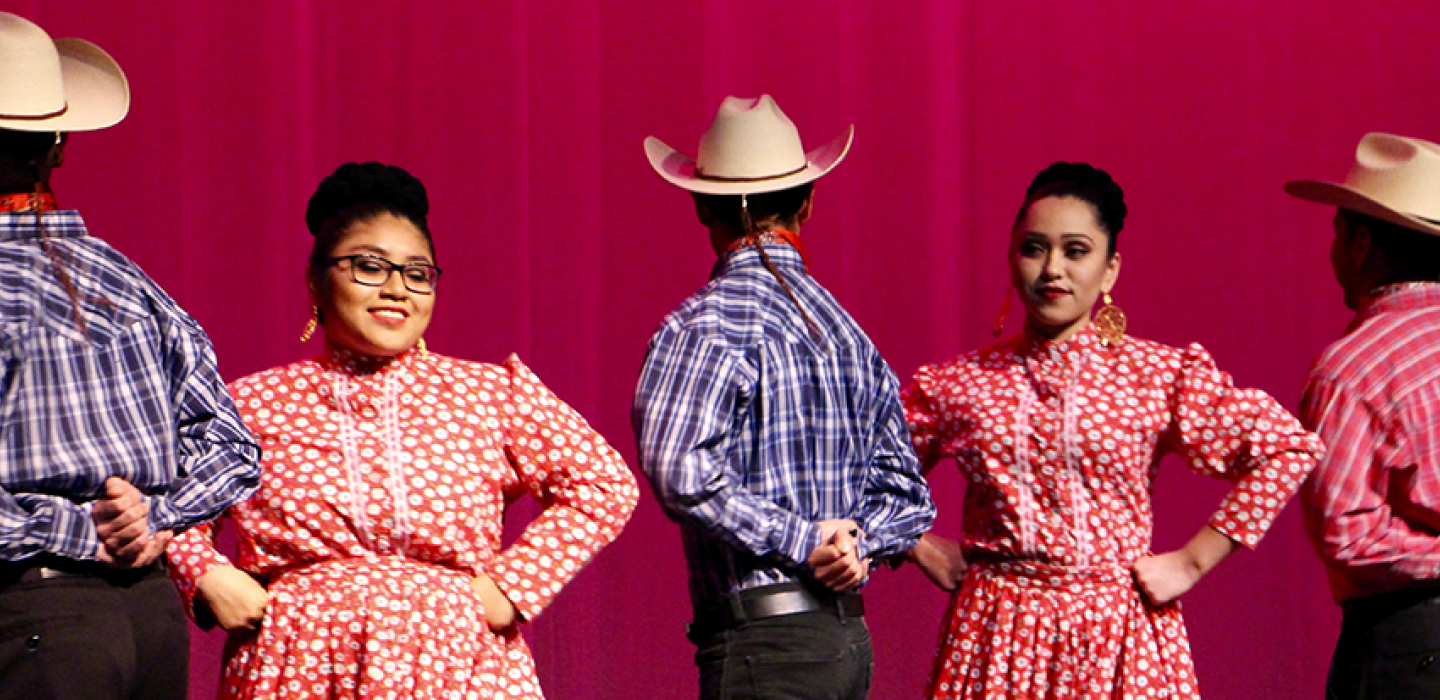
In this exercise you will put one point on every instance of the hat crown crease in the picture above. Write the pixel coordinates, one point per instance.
(1399, 173)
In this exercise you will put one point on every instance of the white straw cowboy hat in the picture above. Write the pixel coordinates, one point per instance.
(1394, 179)
(750, 148)
(60, 85)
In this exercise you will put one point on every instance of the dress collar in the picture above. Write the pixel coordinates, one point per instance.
(364, 366)
(1036, 347)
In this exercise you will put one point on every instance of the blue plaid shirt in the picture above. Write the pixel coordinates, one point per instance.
(136, 394)
(752, 431)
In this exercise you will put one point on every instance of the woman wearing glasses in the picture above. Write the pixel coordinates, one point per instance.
(370, 562)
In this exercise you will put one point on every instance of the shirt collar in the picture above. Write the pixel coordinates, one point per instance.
(782, 256)
(19, 226)
(1404, 296)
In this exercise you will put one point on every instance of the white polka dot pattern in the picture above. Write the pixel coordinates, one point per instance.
(1060, 635)
(398, 619)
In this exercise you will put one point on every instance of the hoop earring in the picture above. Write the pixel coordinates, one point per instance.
(1000, 317)
(421, 345)
(1109, 322)
(311, 324)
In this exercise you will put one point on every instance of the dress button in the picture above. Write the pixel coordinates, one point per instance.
(33, 642)
(1426, 662)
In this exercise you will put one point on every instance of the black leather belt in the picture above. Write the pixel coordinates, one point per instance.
(772, 601)
(47, 567)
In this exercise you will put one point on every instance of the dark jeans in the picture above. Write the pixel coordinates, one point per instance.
(805, 656)
(92, 638)
(1388, 648)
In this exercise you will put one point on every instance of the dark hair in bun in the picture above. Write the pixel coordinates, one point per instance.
(359, 191)
(1088, 184)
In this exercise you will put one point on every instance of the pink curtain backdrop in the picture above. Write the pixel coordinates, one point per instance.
(525, 119)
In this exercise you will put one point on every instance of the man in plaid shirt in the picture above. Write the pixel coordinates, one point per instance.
(1372, 506)
(116, 430)
(771, 429)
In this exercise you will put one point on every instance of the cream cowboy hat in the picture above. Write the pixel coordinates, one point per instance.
(60, 85)
(1394, 179)
(750, 148)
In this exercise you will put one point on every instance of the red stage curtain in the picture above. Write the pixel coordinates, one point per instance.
(525, 119)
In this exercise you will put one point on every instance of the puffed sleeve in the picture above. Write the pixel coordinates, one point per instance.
(587, 492)
(1242, 435)
(921, 417)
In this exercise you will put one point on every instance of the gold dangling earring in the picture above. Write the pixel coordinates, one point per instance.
(1000, 317)
(1109, 322)
(311, 324)
(421, 344)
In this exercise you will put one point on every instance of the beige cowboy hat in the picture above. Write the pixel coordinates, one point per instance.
(1394, 179)
(750, 148)
(59, 85)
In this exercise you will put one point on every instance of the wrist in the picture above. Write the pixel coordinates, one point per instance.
(1206, 550)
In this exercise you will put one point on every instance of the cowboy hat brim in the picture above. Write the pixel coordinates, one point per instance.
(96, 92)
(1345, 197)
(679, 170)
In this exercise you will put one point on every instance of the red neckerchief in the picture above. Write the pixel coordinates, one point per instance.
(774, 236)
(27, 201)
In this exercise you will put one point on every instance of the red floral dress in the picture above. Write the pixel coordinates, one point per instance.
(383, 494)
(1058, 443)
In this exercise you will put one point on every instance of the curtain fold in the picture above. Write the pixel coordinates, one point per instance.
(525, 120)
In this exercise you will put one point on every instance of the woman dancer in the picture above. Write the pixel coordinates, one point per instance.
(369, 562)
(1059, 432)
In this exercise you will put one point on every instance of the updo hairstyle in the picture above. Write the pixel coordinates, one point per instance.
(359, 191)
(1088, 184)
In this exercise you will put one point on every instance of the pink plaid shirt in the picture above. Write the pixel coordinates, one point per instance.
(1372, 506)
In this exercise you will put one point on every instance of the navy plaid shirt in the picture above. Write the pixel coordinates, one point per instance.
(135, 394)
(752, 431)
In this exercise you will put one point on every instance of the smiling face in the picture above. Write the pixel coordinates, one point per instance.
(1059, 266)
(379, 321)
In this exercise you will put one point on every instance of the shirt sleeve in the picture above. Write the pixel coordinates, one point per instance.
(691, 392)
(1347, 513)
(897, 509)
(1242, 435)
(34, 523)
(219, 461)
(587, 492)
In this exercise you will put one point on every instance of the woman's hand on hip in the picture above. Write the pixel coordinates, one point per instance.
(1168, 576)
(1165, 577)
(500, 613)
(941, 559)
(237, 600)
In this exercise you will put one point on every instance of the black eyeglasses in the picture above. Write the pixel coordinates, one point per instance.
(374, 271)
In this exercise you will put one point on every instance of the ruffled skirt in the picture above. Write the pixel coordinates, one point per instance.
(377, 629)
(1043, 632)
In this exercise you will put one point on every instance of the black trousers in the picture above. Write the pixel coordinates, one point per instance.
(78, 637)
(804, 656)
(1388, 648)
